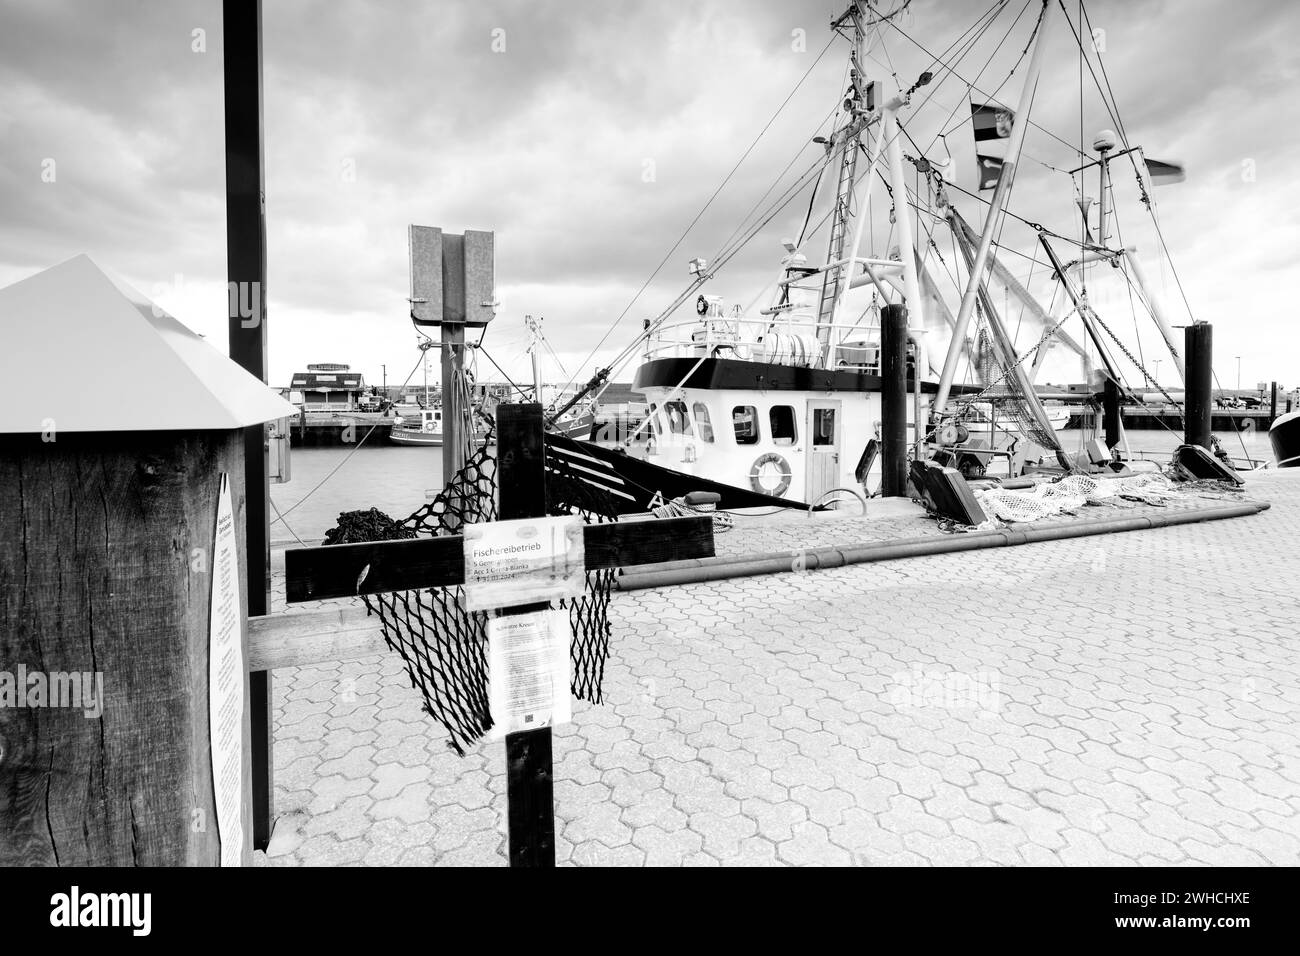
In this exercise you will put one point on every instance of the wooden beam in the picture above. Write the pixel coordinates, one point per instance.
(313, 637)
(530, 786)
(347, 570)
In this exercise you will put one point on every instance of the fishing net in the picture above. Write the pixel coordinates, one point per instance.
(1068, 494)
(1006, 396)
(443, 645)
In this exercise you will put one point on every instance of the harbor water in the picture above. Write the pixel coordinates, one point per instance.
(399, 479)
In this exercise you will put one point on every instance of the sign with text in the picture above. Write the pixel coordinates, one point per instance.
(523, 562)
(226, 676)
(528, 671)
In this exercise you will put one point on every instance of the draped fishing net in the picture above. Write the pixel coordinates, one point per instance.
(443, 645)
(1006, 396)
(1069, 494)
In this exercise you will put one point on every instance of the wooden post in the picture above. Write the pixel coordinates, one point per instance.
(531, 803)
(893, 400)
(1200, 376)
(246, 272)
(106, 544)
(1272, 403)
(1110, 412)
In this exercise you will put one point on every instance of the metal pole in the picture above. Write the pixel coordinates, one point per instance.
(453, 412)
(893, 400)
(857, 237)
(1101, 202)
(902, 215)
(241, 24)
(1199, 344)
(1019, 124)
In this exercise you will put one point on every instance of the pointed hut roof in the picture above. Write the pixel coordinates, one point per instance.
(86, 352)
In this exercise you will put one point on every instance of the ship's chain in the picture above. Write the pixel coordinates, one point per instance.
(1129, 355)
(1047, 334)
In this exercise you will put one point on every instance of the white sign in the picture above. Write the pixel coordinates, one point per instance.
(523, 562)
(528, 671)
(226, 684)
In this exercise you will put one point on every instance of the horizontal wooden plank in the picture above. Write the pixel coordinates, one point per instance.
(628, 543)
(313, 637)
(346, 570)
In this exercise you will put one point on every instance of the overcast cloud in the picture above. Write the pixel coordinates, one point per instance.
(379, 114)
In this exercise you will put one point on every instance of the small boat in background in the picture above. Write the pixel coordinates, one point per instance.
(423, 428)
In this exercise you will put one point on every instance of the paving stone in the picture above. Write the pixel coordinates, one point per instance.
(1112, 711)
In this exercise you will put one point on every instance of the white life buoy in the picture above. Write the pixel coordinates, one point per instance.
(760, 475)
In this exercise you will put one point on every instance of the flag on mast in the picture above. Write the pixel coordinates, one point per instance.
(991, 122)
(990, 171)
(1164, 174)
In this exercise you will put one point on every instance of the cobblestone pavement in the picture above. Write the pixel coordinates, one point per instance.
(1131, 698)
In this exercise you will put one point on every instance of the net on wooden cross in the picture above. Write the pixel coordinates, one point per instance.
(443, 645)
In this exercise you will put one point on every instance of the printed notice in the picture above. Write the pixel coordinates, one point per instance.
(523, 562)
(226, 684)
(528, 671)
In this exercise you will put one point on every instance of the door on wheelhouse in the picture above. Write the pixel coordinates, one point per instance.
(823, 448)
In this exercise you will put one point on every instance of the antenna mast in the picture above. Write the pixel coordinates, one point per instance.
(846, 142)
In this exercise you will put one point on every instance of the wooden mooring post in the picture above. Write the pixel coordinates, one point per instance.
(334, 571)
(1199, 399)
(124, 708)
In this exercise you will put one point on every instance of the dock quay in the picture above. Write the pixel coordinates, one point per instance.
(331, 429)
(1137, 714)
(1224, 420)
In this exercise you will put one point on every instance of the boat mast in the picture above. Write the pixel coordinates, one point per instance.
(1020, 123)
(846, 142)
(535, 329)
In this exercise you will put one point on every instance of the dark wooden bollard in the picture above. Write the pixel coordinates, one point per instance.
(1110, 414)
(893, 400)
(108, 564)
(1199, 404)
(102, 573)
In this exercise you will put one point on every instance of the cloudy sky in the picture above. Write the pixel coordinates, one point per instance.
(588, 135)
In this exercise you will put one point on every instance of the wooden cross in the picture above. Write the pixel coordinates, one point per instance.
(334, 572)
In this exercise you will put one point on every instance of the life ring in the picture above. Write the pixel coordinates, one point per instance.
(701, 305)
(783, 469)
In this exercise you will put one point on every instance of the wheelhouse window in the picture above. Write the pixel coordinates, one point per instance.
(675, 417)
(654, 419)
(744, 419)
(781, 419)
(702, 423)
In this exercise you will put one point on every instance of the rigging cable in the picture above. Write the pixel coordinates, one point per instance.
(704, 208)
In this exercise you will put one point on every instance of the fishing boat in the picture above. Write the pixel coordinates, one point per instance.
(420, 428)
(782, 397)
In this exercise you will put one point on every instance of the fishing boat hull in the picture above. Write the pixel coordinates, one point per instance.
(414, 436)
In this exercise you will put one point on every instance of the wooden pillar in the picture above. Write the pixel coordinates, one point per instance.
(106, 548)
(522, 482)
(1110, 412)
(246, 274)
(893, 400)
(1272, 403)
(1199, 405)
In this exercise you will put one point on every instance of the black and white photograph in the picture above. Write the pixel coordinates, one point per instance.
(853, 434)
